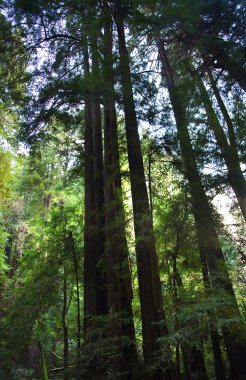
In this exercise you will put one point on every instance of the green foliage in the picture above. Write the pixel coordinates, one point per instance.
(41, 193)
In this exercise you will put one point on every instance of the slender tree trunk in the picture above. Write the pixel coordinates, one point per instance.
(150, 185)
(120, 291)
(177, 283)
(218, 361)
(185, 361)
(230, 127)
(228, 151)
(197, 365)
(65, 327)
(17, 248)
(76, 271)
(152, 312)
(43, 363)
(214, 335)
(208, 242)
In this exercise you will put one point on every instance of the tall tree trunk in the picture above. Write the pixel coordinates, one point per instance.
(152, 312)
(208, 242)
(98, 185)
(90, 254)
(119, 286)
(228, 151)
(95, 289)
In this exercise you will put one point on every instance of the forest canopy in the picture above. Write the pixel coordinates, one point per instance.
(122, 189)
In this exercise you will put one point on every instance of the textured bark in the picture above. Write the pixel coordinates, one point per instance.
(95, 299)
(98, 186)
(17, 248)
(32, 358)
(208, 242)
(119, 283)
(228, 151)
(152, 312)
(90, 256)
(95, 287)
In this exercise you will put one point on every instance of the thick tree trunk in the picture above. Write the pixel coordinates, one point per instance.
(95, 297)
(98, 186)
(90, 254)
(32, 358)
(152, 312)
(119, 284)
(228, 151)
(208, 241)
(96, 125)
(95, 289)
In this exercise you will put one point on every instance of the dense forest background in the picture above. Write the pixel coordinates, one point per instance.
(121, 125)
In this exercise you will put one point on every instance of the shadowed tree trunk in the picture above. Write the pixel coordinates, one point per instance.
(71, 248)
(65, 327)
(119, 283)
(95, 291)
(208, 242)
(152, 312)
(96, 125)
(214, 335)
